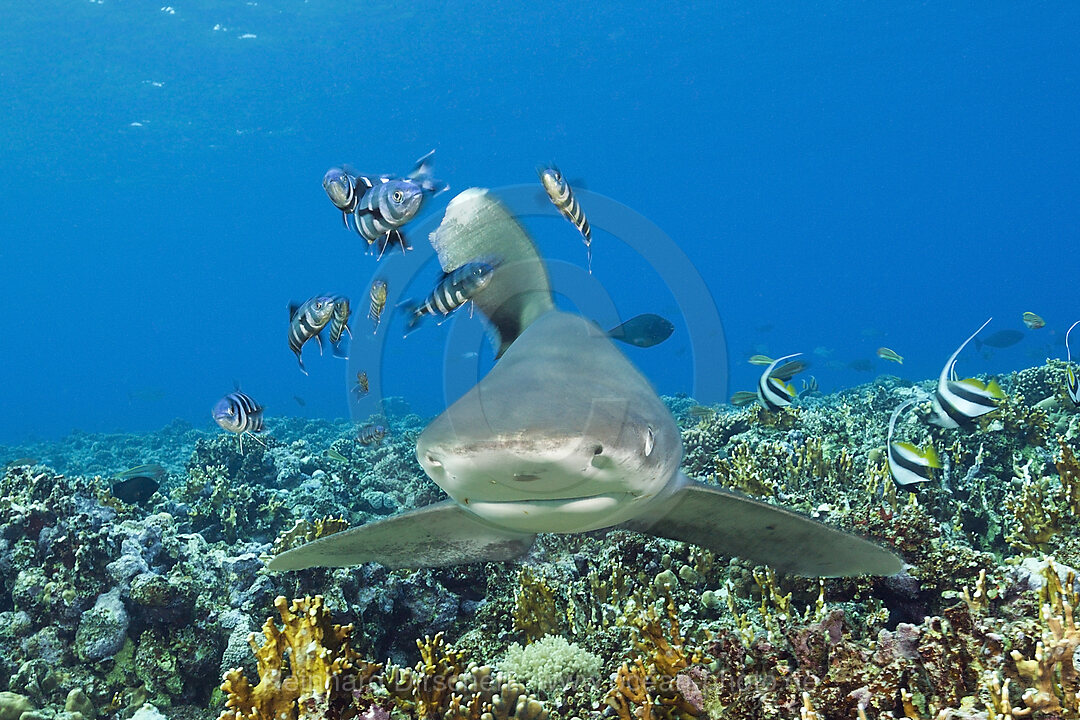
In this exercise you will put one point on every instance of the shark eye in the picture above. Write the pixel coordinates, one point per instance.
(650, 442)
(398, 196)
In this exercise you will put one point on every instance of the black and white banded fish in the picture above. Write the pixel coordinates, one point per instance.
(908, 465)
(371, 434)
(238, 413)
(378, 302)
(381, 205)
(339, 323)
(306, 321)
(562, 196)
(1072, 386)
(959, 402)
(455, 289)
(772, 392)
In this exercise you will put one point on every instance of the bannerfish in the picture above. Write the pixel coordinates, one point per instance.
(562, 196)
(886, 354)
(565, 435)
(238, 413)
(1072, 386)
(455, 289)
(643, 330)
(306, 321)
(1000, 339)
(378, 302)
(1033, 321)
(371, 434)
(960, 402)
(339, 322)
(908, 465)
(774, 393)
(360, 388)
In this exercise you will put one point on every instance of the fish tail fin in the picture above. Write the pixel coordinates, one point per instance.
(338, 352)
(423, 175)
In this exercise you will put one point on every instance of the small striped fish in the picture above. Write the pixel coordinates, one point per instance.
(371, 435)
(339, 323)
(454, 290)
(306, 321)
(772, 392)
(238, 413)
(558, 190)
(381, 205)
(361, 387)
(378, 302)
(1071, 383)
(908, 465)
(959, 402)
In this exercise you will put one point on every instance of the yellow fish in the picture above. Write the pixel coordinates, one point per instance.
(1033, 321)
(886, 354)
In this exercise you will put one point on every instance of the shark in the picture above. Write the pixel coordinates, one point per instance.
(564, 435)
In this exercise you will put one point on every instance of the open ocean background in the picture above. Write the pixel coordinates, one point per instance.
(842, 175)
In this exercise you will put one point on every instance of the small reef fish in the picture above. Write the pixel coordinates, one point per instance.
(455, 289)
(774, 393)
(371, 434)
(908, 465)
(339, 321)
(378, 302)
(299, 400)
(380, 206)
(1000, 339)
(704, 412)
(786, 371)
(810, 386)
(238, 413)
(306, 321)
(361, 386)
(743, 398)
(335, 455)
(149, 470)
(643, 330)
(886, 354)
(1033, 321)
(760, 360)
(1072, 386)
(861, 365)
(558, 190)
(960, 402)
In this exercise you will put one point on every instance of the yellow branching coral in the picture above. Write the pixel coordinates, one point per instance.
(304, 531)
(426, 688)
(648, 687)
(303, 666)
(1052, 677)
(536, 609)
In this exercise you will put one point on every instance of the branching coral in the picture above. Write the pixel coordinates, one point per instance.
(1052, 678)
(304, 531)
(305, 668)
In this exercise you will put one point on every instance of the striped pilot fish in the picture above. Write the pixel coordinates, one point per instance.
(371, 434)
(378, 302)
(959, 402)
(909, 465)
(454, 290)
(238, 413)
(306, 321)
(558, 190)
(772, 392)
(1071, 384)
(339, 323)
(380, 206)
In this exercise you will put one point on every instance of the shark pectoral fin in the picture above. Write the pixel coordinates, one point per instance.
(733, 524)
(433, 536)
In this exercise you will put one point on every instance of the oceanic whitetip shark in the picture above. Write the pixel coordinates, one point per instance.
(564, 435)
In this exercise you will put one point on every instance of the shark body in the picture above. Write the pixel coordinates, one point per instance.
(565, 435)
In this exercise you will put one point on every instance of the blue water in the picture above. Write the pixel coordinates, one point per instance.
(842, 175)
